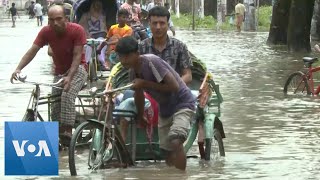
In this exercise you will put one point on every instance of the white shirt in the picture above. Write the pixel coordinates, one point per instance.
(37, 9)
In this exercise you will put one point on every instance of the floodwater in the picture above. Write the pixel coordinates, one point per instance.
(268, 136)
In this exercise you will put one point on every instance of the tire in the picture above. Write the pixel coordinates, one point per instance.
(83, 154)
(214, 151)
(297, 84)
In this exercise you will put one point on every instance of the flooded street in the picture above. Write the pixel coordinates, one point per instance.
(268, 136)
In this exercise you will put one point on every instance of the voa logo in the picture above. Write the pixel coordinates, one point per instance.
(31, 148)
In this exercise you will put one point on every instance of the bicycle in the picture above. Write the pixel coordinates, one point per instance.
(102, 138)
(301, 82)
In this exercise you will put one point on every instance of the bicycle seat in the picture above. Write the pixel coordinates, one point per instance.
(310, 59)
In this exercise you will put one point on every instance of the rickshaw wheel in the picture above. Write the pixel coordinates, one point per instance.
(83, 155)
(214, 147)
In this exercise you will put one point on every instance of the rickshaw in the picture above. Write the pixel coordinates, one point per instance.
(97, 143)
(109, 7)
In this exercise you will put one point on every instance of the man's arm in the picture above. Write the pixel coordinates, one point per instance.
(186, 75)
(113, 41)
(77, 52)
(26, 59)
(168, 84)
(79, 41)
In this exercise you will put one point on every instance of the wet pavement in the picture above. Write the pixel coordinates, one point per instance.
(268, 136)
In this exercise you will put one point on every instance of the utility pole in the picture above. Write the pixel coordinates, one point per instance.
(176, 3)
(193, 14)
(257, 14)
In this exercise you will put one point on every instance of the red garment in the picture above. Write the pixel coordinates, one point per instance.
(62, 46)
(152, 112)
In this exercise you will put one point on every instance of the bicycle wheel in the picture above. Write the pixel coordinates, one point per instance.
(85, 155)
(297, 84)
(214, 148)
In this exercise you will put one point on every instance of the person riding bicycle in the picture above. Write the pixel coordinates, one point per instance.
(176, 103)
(134, 19)
(66, 40)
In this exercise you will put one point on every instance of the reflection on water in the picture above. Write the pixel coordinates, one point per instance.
(268, 136)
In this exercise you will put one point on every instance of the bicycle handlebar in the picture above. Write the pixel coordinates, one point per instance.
(95, 41)
(22, 78)
(93, 91)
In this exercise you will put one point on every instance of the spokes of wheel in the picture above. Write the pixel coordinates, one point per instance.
(214, 148)
(215, 152)
(297, 84)
(86, 152)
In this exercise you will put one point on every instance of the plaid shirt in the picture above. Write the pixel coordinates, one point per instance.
(175, 53)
